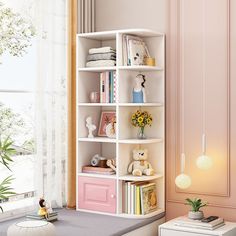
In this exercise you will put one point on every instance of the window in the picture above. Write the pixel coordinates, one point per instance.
(17, 82)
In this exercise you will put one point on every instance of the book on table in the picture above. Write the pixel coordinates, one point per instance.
(51, 216)
(98, 170)
(184, 221)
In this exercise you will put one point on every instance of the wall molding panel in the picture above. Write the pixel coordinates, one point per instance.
(184, 61)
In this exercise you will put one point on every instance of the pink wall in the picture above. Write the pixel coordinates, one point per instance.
(185, 62)
(217, 185)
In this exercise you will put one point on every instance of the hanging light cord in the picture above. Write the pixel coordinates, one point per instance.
(204, 80)
(182, 93)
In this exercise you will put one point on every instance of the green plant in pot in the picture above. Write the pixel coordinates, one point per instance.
(196, 204)
(6, 151)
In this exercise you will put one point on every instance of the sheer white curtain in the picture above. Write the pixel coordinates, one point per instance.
(51, 101)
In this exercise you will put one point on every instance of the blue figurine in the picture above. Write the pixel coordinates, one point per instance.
(139, 95)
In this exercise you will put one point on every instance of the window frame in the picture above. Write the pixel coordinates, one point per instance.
(22, 211)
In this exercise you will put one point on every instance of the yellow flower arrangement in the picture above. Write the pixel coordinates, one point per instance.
(141, 119)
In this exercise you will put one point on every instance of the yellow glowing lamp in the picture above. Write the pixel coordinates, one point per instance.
(183, 181)
(204, 162)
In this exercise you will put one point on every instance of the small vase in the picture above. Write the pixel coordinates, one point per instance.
(141, 134)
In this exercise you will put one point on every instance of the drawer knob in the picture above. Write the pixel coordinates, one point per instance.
(112, 195)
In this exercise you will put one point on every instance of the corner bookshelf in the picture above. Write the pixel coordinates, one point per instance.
(126, 140)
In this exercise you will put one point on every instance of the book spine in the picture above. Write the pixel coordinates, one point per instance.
(102, 88)
(107, 87)
(141, 200)
(132, 199)
(137, 200)
(124, 51)
(129, 194)
(126, 197)
(128, 52)
(114, 87)
(110, 86)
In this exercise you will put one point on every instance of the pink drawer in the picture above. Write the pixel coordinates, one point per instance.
(97, 194)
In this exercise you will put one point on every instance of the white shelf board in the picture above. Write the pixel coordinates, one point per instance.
(150, 104)
(158, 211)
(140, 141)
(97, 69)
(141, 68)
(108, 35)
(98, 140)
(97, 175)
(105, 35)
(131, 216)
(96, 104)
(140, 178)
(142, 32)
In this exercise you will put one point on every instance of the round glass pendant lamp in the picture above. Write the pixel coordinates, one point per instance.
(183, 181)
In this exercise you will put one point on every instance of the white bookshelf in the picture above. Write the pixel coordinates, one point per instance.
(126, 140)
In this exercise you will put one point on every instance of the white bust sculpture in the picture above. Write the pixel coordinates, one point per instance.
(91, 127)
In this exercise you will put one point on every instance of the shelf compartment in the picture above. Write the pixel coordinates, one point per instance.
(141, 68)
(154, 104)
(97, 175)
(97, 69)
(155, 157)
(86, 150)
(95, 112)
(154, 86)
(140, 178)
(87, 104)
(140, 141)
(127, 132)
(97, 140)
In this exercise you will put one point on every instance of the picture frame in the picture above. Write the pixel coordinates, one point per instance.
(106, 118)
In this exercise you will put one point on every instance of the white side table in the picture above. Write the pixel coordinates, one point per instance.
(169, 229)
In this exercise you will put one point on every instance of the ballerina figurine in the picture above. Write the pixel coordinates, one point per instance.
(91, 127)
(139, 95)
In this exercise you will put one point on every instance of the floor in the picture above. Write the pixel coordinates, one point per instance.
(73, 223)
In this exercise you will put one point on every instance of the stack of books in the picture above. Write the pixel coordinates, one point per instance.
(51, 216)
(134, 50)
(184, 221)
(139, 197)
(98, 170)
(108, 87)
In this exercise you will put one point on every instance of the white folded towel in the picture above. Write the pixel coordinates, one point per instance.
(101, 50)
(100, 63)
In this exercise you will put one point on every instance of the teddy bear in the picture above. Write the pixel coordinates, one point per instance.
(140, 166)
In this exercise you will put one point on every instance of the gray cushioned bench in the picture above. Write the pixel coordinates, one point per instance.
(73, 223)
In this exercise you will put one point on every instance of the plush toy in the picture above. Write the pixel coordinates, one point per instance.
(140, 166)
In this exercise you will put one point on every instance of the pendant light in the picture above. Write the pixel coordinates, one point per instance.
(204, 162)
(182, 181)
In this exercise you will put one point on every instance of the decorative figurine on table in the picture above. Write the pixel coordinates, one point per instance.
(91, 127)
(43, 209)
(139, 95)
(140, 166)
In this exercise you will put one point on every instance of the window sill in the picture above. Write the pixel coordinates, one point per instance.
(17, 209)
